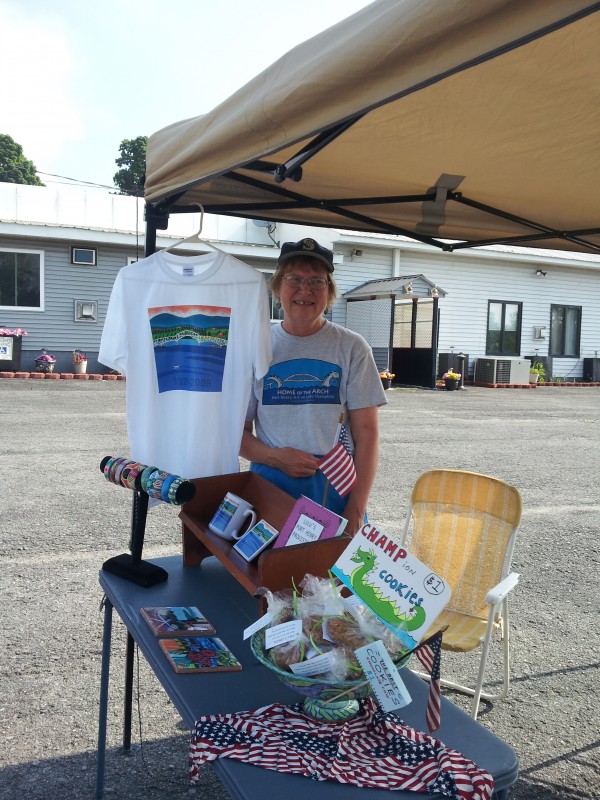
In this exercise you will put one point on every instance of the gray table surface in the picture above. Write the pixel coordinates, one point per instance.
(231, 609)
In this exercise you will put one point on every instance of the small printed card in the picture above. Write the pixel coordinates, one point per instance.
(282, 634)
(177, 621)
(255, 540)
(258, 625)
(192, 655)
(388, 686)
(314, 666)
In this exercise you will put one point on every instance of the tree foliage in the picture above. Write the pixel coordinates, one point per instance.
(14, 167)
(130, 178)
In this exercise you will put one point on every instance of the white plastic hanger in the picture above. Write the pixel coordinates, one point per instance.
(194, 238)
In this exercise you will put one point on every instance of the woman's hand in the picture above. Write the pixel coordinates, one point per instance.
(295, 463)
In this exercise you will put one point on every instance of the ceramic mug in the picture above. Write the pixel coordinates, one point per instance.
(230, 516)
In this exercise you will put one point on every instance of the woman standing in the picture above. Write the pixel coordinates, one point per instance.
(320, 371)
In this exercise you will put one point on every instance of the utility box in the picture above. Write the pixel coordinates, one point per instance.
(502, 369)
(10, 353)
(591, 369)
(457, 362)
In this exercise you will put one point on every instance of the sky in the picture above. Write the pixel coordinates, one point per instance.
(78, 76)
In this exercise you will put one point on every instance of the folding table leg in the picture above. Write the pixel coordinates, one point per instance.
(129, 656)
(103, 713)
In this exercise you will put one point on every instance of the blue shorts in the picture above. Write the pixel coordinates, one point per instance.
(312, 487)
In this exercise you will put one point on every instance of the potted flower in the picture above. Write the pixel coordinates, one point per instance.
(79, 362)
(45, 361)
(451, 379)
(537, 372)
(386, 378)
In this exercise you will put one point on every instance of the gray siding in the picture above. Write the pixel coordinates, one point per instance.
(36, 218)
(55, 327)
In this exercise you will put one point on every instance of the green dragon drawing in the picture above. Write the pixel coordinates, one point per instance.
(386, 609)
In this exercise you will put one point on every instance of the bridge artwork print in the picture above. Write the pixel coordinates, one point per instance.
(190, 345)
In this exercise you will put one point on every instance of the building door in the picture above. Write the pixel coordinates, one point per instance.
(414, 344)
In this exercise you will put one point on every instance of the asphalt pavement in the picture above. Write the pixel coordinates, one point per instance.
(59, 520)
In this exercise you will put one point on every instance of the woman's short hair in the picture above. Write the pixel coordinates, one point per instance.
(277, 277)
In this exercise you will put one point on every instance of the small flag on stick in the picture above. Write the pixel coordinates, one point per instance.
(429, 654)
(338, 466)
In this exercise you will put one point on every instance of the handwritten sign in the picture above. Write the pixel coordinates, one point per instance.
(388, 687)
(402, 591)
(305, 530)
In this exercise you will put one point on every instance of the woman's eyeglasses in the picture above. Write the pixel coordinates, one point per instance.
(296, 282)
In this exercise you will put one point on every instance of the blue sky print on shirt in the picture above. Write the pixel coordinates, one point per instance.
(190, 345)
(302, 381)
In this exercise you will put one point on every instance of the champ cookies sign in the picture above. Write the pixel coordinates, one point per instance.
(401, 590)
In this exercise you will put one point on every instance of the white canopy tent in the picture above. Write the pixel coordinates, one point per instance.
(454, 122)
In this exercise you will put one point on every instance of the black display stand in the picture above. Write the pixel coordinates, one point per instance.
(130, 565)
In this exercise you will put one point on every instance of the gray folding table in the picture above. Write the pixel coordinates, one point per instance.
(231, 609)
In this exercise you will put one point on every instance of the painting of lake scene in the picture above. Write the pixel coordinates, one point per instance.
(190, 345)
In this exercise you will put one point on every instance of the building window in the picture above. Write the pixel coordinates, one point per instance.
(21, 279)
(85, 256)
(565, 330)
(275, 309)
(503, 328)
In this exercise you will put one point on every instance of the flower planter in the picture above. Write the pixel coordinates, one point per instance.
(44, 366)
(451, 384)
(79, 367)
(387, 383)
(533, 377)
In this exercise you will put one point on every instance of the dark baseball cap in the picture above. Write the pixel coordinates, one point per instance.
(307, 248)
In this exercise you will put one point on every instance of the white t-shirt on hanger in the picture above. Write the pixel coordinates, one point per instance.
(190, 333)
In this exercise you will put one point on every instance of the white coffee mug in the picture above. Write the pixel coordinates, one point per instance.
(230, 515)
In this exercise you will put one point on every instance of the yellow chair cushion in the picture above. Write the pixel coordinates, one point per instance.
(464, 633)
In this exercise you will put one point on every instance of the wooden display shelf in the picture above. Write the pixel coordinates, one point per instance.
(274, 569)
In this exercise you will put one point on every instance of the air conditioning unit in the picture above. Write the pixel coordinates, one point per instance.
(501, 369)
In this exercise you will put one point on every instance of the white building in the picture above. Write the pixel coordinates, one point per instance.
(60, 250)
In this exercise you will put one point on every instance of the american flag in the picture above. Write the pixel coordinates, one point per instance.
(372, 749)
(338, 465)
(429, 654)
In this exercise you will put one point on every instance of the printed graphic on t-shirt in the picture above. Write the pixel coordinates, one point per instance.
(190, 345)
(301, 381)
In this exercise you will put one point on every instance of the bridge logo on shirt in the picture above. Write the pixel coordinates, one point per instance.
(190, 345)
(302, 381)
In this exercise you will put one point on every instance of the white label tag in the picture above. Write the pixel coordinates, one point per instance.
(354, 606)
(258, 625)
(379, 669)
(314, 666)
(305, 530)
(188, 272)
(281, 634)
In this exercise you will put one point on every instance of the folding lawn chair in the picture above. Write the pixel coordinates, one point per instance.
(463, 525)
